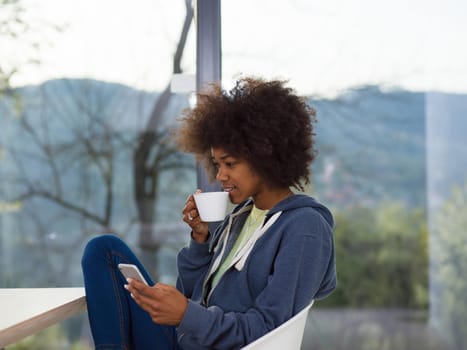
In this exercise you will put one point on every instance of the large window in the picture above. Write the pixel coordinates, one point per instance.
(86, 113)
(388, 81)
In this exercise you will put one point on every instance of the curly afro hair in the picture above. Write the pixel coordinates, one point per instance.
(262, 122)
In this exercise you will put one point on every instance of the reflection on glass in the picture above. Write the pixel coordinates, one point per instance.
(86, 115)
(447, 194)
(79, 82)
(368, 77)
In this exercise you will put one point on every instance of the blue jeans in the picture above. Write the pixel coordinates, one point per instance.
(117, 322)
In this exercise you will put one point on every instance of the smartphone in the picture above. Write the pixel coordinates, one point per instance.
(132, 271)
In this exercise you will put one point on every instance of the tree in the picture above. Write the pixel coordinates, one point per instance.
(74, 138)
(155, 153)
(66, 172)
(449, 268)
(11, 25)
(393, 269)
(19, 48)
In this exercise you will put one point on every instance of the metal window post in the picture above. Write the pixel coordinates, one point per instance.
(208, 61)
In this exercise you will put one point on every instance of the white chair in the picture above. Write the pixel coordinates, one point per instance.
(287, 336)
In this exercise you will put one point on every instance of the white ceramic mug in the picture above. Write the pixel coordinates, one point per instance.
(212, 206)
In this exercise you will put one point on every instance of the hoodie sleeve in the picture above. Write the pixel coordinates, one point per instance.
(301, 266)
(193, 263)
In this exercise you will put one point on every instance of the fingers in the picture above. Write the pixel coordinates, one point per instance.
(192, 214)
(164, 303)
(140, 292)
(135, 287)
(199, 228)
(191, 198)
(190, 211)
(191, 217)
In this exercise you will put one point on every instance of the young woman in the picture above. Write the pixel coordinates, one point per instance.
(268, 259)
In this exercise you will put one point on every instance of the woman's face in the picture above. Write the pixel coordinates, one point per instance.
(236, 176)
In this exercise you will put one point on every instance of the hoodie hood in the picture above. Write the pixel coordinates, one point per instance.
(329, 281)
(301, 201)
(290, 203)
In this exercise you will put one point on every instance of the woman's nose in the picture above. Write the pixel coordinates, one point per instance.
(221, 175)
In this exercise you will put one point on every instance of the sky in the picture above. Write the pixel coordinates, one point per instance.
(322, 47)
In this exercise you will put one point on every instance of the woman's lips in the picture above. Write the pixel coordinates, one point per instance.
(228, 188)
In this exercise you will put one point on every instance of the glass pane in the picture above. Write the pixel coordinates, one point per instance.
(447, 212)
(86, 114)
(388, 82)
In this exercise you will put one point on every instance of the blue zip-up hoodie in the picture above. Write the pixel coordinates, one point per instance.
(288, 263)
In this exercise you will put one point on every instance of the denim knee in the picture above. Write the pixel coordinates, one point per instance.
(99, 246)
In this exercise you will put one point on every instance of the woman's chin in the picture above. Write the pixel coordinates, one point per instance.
(235, 199)
(232, 198)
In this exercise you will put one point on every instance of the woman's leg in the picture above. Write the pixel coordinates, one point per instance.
(117, 322)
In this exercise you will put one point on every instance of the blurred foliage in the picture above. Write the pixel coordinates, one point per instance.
(449, 264)
(381, 257)
(20, 47)
(11, 26)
